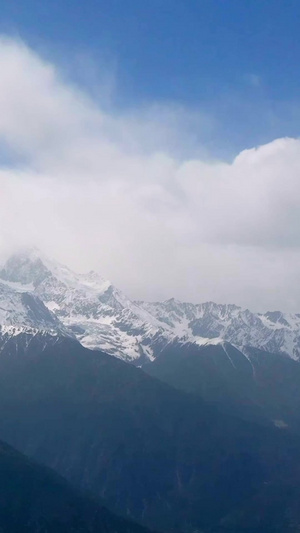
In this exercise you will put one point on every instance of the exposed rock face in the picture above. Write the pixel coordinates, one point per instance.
(274, 332)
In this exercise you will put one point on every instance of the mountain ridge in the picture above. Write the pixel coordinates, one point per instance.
(272, 331)
(102, 317)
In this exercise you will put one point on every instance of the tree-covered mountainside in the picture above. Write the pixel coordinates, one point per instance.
(252, 384)
(34, 499)
(151, 453)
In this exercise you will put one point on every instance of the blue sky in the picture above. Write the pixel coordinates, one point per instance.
(237, 61)
(156, 142)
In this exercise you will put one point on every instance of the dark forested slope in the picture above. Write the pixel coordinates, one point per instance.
(33, 499)
(152, 453)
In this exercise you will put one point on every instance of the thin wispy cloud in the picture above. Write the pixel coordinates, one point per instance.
(253, 79)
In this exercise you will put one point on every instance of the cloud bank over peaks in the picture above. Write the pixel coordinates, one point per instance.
(106, 191)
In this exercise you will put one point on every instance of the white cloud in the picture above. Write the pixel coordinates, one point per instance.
(95, 191)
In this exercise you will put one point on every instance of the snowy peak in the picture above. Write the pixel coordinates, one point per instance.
(25, 268)
(98, 313)
(32, 267)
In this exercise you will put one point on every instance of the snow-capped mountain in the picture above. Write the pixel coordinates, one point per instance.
(92, 308)
(273, 331)
(102, 317)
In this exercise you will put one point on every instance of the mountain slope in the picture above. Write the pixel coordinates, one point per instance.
(33, 499)
(22, 314)
(274, 509)
(154, 454)
(252, 384)
(19, 308)
(92, 308)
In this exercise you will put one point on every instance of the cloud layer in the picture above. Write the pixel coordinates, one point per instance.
(115, 193)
